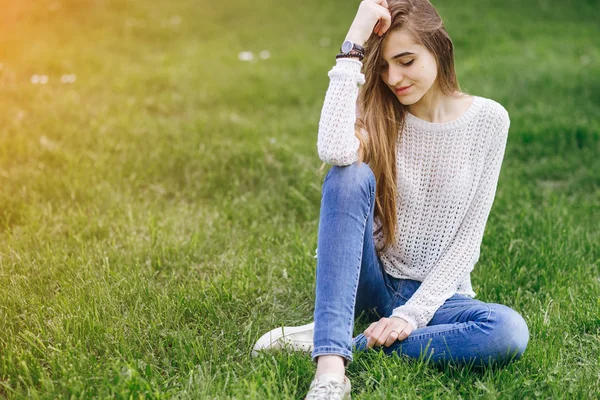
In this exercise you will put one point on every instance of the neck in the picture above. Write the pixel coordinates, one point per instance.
(434, 106)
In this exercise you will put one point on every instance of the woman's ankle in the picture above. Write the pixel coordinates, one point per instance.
(327, 364)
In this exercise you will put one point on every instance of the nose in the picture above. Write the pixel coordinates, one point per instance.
(395, 76)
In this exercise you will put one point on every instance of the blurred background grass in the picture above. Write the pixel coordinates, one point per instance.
(160, 213)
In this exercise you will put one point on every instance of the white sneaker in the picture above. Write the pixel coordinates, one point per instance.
(329, 387)
(297, 338)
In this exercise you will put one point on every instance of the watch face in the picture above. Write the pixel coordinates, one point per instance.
(347, 46)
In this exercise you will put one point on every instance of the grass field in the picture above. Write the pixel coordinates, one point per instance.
(159, 199)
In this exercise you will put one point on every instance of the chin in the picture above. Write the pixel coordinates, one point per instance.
(408, 100)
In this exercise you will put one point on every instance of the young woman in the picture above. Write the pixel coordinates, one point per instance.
(415, 166)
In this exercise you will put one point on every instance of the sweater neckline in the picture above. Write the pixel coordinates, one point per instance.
(444, 126)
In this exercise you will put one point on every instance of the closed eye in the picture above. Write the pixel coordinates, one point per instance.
(384, 66)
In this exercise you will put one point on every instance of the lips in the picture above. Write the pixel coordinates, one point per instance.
(402, 88)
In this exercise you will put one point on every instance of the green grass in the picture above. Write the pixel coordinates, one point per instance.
(160, 214)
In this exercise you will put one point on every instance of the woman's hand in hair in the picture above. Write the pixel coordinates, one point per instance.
(372, 16)
(386, 331)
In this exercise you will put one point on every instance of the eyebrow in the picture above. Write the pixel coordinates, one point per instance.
(406, 53)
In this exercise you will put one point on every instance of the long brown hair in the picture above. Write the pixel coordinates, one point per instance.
(380, 115)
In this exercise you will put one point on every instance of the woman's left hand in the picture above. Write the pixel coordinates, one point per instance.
(386, 331)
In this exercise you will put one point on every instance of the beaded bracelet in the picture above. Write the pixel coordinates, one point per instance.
(344, 55)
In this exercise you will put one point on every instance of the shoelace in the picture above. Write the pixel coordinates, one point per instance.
(322, 390)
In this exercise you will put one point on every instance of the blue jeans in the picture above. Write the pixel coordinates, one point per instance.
(351, 280)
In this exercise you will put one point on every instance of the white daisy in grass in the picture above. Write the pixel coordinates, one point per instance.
(68, 78)
(39, 79)
(47, 143)
(245, 56)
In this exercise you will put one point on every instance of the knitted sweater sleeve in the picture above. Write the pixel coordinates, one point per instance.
(336, 142)
(462, 253)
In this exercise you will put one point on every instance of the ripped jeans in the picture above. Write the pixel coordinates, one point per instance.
(350, 279)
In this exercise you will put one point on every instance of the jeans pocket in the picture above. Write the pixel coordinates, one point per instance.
(405, 288)
(391, 283)
(394, 286)
(401, 290)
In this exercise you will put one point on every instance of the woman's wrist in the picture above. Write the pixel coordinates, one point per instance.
(354, 54)
(355, 38)
(352, 58)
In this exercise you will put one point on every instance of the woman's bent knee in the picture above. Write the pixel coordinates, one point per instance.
(512, 333)
(353, 176)
(521, 334)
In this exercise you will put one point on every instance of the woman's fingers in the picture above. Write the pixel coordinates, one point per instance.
(372, 16)
(369, 330)
(386, 331)
(392, 337)
(369, 333)
(390, 334)
(378, 336)
(380, 8)
(386, 20)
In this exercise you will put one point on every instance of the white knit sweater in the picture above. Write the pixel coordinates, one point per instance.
(447, 178)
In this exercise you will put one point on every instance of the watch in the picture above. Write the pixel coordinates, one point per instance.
(349, 45)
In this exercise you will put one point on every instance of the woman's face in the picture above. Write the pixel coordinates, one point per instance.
(406, 63)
